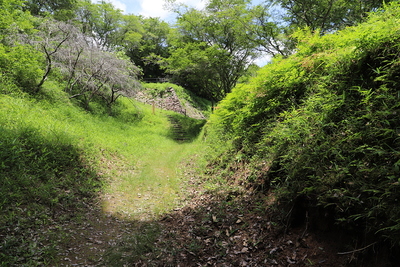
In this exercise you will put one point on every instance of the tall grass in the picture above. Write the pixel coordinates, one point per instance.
(55, 158)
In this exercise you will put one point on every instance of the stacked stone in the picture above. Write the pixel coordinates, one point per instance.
(171, 102)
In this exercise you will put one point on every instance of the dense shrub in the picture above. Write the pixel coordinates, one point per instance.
(20, 64)
(322, 125)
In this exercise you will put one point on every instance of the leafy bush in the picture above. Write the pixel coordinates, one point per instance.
(322, 125)
(21, 64)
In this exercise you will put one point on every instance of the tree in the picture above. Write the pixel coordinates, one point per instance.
(326, 15)
(121, 78)
(102, 22)
(84, 16)
(101, 74)
(60, 9)
(50, 38)
(193, 66)
(145, 42)
(275, 21)
(91, 72)
(19, 62)
(272, 36)
(211, 49)
(12, 17)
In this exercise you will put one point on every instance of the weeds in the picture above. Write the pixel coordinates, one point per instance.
(322, 125)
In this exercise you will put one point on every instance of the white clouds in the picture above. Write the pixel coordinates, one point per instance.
(198, 4)
(118, 4)
(153, 8)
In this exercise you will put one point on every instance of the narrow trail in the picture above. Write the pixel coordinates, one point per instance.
(214, 227)
(134, 195)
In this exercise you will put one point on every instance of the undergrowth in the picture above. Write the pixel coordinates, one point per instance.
(45, 175)
(321, 128)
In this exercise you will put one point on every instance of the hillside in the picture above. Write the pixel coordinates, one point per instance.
(68, 174)
(320, 129)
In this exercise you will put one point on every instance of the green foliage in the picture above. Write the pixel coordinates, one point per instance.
(20, 64)
(158, 89)
(322, 125)
(7, 85)
(189, 126)
(193, 65)
(145, 42)
(126, 111)
(105, 21)
(59, 9)
(211, 48)
(13, 18)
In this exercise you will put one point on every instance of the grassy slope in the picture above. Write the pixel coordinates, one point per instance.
(57, 158)
(321, 128)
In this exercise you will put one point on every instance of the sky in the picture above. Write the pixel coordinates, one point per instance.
(152, 8)
(155, 8)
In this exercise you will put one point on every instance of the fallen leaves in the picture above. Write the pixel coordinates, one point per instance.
(211, 231)
(213, 228)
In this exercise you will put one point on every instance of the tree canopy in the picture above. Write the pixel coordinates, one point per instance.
(207, 50)
(145, 41)
(326, 15)
(216, 44)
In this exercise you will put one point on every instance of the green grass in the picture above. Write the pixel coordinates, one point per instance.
(55, 158)
(153, 183)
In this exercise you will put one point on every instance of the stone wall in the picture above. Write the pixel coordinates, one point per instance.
(168, 100)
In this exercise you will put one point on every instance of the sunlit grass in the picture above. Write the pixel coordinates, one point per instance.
(153, 184)
(57, 156)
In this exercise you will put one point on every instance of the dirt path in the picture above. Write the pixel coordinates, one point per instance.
(139, 222)
(134, 195)
(226, 228)
(91, 238)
